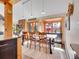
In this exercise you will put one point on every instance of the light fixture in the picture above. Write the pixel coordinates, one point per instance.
(43, 12)
(31, 9)
(23, 11)
(43, 7)
(31, 16)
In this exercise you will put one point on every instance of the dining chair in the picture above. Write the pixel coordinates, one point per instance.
(34, 38)
(43, 41)
(31, 38)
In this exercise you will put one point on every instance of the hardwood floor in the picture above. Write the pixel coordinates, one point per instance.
(36, 54)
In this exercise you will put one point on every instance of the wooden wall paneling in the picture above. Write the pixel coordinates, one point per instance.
(39, 26)
(8, 20)
(26, 26)
(62, 23)
(44, 26)
(19, 48)
(23, 24)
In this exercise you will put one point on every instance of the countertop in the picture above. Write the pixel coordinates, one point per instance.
(2, 39)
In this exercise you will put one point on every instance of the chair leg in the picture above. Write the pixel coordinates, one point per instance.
(39, 46)
(27, 43)
(46, 48)
(35, 44)
(53, 47)
(30, 43)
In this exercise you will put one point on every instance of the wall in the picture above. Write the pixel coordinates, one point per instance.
(17, 12)
(72, 36)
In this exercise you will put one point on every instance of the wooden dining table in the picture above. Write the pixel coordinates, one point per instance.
(50, 45)
(51, 38)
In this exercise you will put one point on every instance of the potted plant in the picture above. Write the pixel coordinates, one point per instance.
(17, 29)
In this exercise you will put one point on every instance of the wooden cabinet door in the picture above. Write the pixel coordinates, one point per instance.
(8, 49)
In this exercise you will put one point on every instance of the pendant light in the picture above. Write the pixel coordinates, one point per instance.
(24, 2)
(31, 9)
(22, 10)
(43, 8)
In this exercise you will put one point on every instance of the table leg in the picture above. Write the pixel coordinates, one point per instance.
(50, 45)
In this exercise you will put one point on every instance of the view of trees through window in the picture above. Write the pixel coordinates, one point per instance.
(1, 20)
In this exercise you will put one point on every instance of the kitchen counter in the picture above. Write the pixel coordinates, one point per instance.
(11, 48)
(2, 38)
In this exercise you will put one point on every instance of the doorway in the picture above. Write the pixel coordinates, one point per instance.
(55, 26)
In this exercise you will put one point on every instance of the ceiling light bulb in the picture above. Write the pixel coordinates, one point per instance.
(43, 12)
(31, 16)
